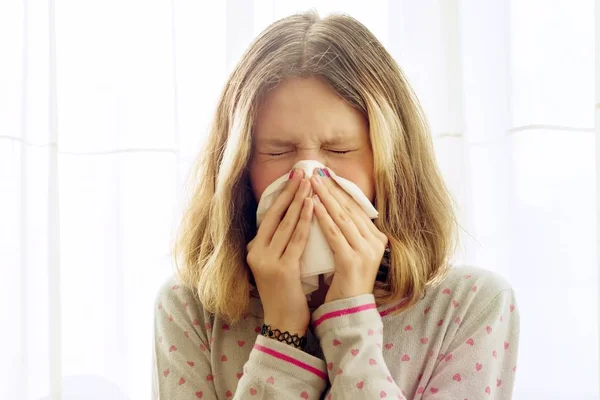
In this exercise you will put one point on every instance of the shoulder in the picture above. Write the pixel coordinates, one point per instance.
(461, 280)
(472, 294)
(171, 291)
(175, 299)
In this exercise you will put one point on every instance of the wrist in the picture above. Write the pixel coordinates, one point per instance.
(294, 338)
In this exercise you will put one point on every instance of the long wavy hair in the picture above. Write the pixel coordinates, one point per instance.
(415, 208)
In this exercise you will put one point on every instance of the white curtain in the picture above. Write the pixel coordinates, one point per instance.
(103, 105)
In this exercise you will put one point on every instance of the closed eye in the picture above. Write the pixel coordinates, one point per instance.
(340, 151)
(276, 154)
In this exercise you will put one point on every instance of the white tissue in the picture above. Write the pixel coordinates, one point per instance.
(317, 257)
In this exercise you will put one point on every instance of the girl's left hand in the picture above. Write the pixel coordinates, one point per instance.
(357, 244)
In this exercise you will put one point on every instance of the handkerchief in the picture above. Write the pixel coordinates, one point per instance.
(317, 257)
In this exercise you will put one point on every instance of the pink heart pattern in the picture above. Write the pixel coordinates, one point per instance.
(355, 356)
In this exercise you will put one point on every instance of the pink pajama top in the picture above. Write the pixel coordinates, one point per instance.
(460, 341)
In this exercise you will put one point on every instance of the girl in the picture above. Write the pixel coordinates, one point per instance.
(397, 320)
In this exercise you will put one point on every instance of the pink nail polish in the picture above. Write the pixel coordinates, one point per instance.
(326, 172)
(291, 174)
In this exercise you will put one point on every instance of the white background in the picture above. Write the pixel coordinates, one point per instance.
(103, 106)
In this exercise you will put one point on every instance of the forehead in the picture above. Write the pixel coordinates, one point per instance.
(307, 106)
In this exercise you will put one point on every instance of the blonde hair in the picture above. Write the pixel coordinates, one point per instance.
(416, 210)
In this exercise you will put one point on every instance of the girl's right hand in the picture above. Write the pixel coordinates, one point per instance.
(274, 257)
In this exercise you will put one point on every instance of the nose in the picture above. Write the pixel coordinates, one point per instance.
(310, 154)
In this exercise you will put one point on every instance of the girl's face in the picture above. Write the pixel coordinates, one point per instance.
(304, 119)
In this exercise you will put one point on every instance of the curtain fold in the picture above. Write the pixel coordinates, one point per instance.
(104, 106)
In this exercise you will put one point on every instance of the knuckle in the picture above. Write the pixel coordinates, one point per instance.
(284, 224)
(305, 217)
(342, 216)
(347, 207)
(298, 236)
(347, 259)
(334, 230)
(251, 259)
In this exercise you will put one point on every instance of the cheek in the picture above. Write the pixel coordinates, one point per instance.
(261, 176)
(360, 175)
(367, 185)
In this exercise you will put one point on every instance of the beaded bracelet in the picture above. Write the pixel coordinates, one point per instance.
(294, 340)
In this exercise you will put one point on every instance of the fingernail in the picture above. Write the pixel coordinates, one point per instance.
(326, 172)
(291, 174)
(320, 172)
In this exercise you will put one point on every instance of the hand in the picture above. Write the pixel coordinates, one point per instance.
(357, 244)
(274, 257)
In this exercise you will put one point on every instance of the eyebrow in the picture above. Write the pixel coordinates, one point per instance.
(275, 142)
(336, 140)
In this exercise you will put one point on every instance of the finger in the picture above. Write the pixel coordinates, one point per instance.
(275, 213)
(335, 237)
(363, 222)
(297, 243)
(286, 227)
(352, 208)
(339, 216)
(379, 235)
(361, 219)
